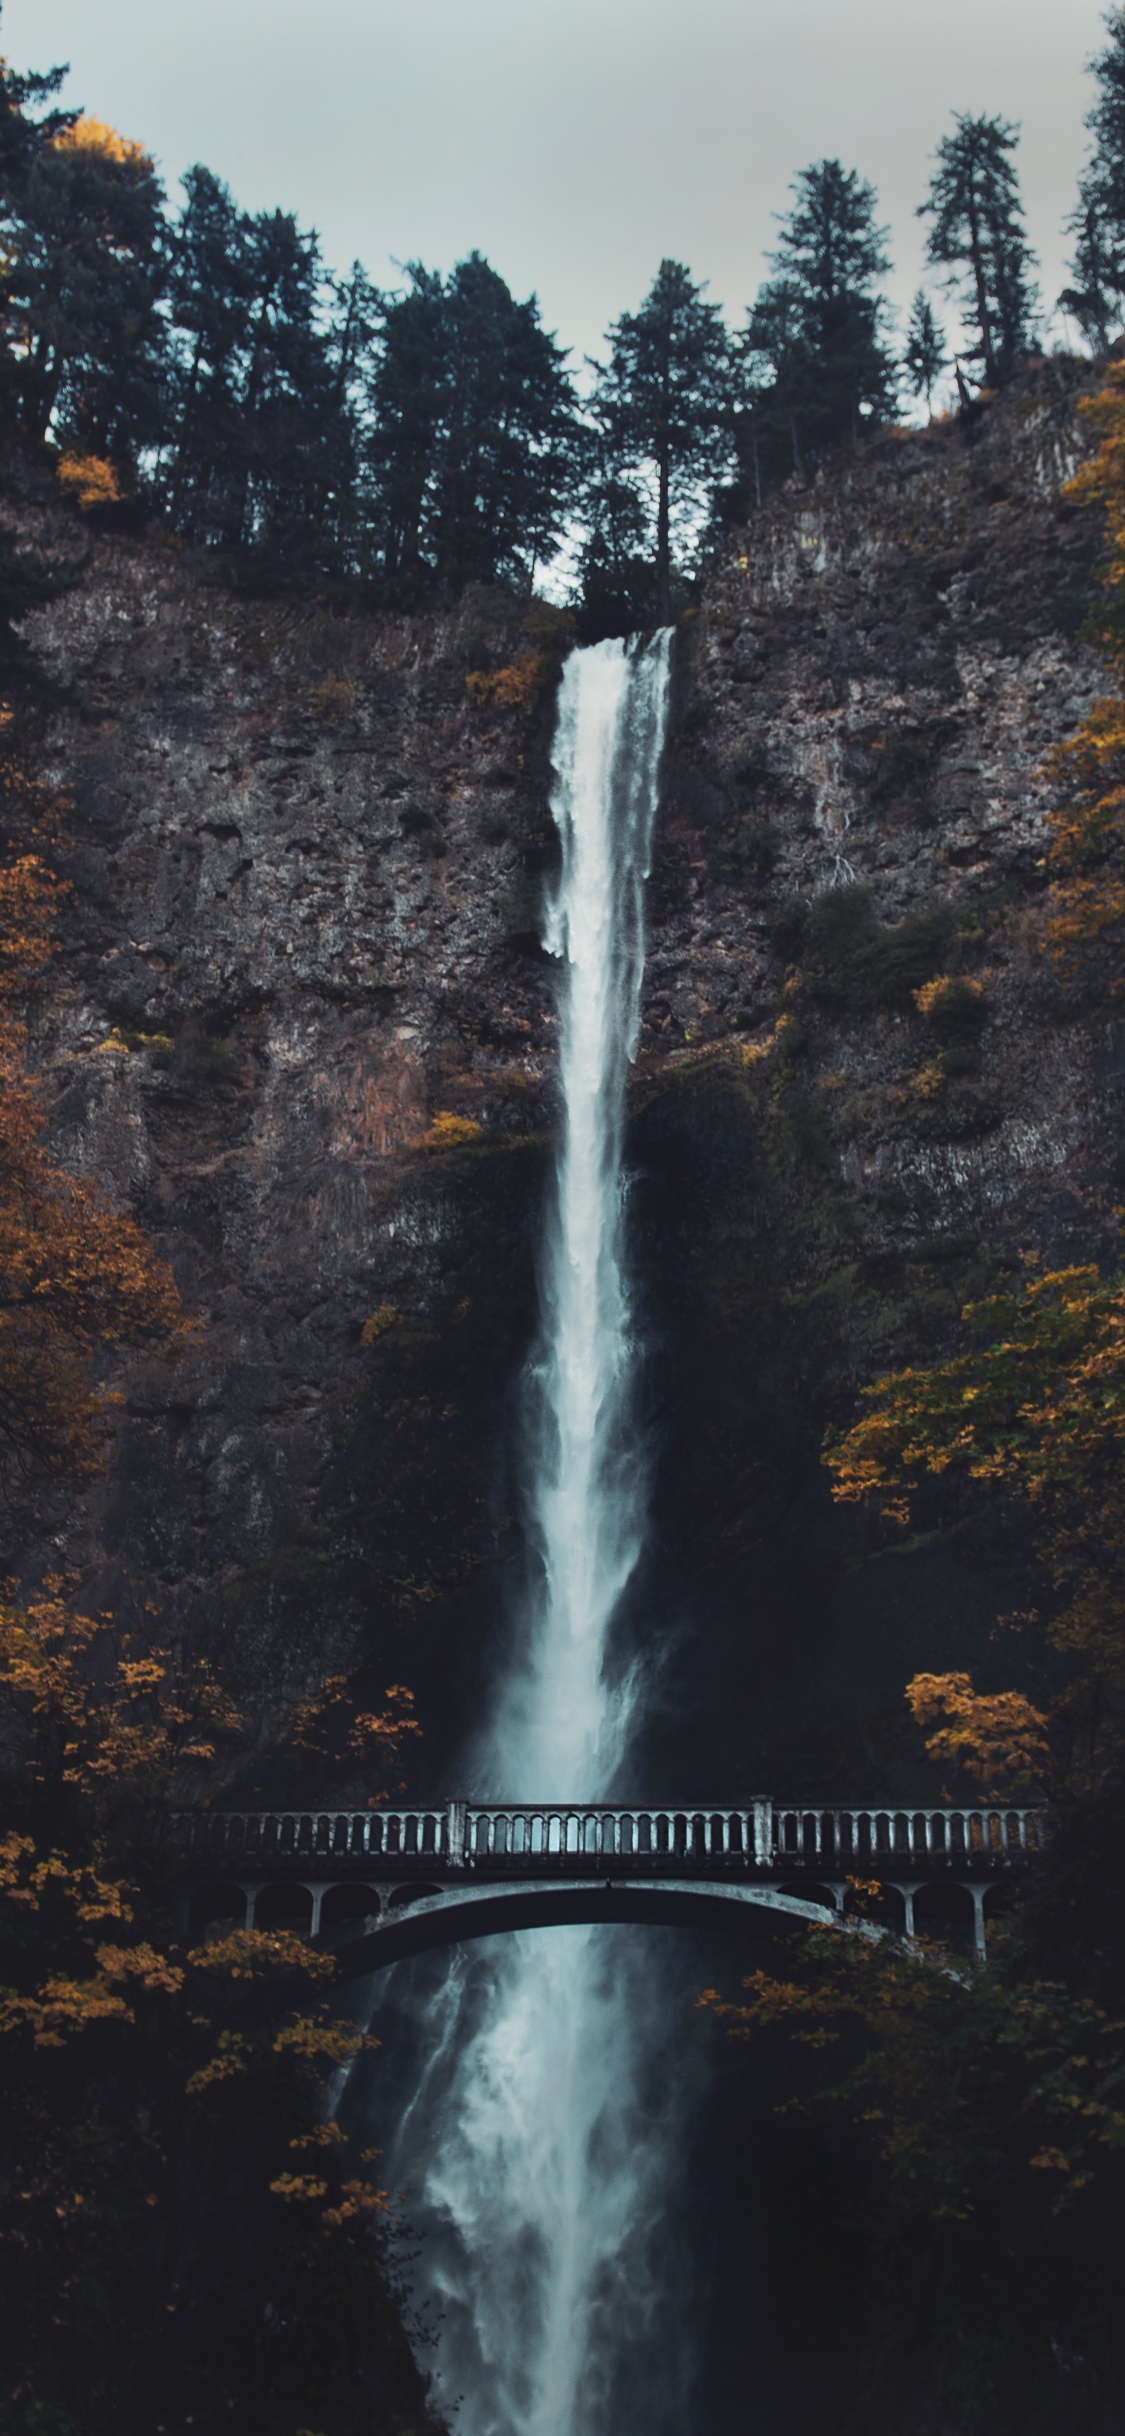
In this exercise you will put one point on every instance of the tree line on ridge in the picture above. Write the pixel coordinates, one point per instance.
(207, 362)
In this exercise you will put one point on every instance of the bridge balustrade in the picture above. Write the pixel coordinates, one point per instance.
(593, 1832)
(263, 1835)
(991, 1833)
(761, 1835)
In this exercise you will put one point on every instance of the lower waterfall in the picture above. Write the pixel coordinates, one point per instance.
(534, 2140)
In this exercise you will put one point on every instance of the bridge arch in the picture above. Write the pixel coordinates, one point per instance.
(452, 1916)
(284, 1903)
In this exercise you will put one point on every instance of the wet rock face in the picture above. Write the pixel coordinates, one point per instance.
(308, 879)
(877, 677)
(310, 859)
(826, 1171)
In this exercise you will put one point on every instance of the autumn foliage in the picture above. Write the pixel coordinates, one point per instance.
(166, 2171)
(1033, 1409)
(79, 1281)
(1087, 856)
(985, 2110)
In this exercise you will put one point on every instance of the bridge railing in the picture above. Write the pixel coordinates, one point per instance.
(997, 1833)
(243, 1836)
(761, 1834)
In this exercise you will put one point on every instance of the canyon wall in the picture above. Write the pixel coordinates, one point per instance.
(302, 1026)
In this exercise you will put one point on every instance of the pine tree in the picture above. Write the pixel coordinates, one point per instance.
(1097, 298)
(404, 404)
(779, 366)
(261, 398)
(208, 292)
(26, 126)
(341, 503)
(977, 238)
(815, 369)
(830, 253)
(504, 469)
(84, 233)
(926, 355)
(275, 503)
(664, 406)
(615, 573)
(21, 135)
(472, 449)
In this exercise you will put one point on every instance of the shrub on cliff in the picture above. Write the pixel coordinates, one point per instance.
(855, 963)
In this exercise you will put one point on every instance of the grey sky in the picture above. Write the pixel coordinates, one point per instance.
(575, 141)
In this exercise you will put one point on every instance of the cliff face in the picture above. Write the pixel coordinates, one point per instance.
(309, 849)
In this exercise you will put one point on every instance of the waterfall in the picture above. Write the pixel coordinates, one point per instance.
(533, 2139)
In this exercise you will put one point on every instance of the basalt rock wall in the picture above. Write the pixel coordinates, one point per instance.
(303, 1027)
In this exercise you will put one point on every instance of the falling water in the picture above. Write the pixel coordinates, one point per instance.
(560, 1725)
(541, 2138)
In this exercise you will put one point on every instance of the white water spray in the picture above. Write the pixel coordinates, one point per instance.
(542, 2150)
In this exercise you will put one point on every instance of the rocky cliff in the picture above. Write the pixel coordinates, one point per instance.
(304, 1029)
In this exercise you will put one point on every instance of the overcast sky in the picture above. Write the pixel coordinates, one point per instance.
(575, 141)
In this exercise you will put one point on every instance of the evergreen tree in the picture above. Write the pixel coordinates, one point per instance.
(208, 294)
(275, 499)
(404, 400)
(615, 572)
(506, 451)
(815, 369)
(1097, 298)
(22, 136)
(830, 256)
(664, 407)
(342, 505)
(926, 355)
(779, 366)
(260, 402)
(84, 231)
(472, 447)
(977, 238)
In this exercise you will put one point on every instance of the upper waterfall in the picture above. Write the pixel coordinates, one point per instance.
(537, 2155)
(559, 1725)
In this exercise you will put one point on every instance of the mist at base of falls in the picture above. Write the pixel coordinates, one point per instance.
(538, 2138)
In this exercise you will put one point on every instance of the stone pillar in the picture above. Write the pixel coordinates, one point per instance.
(763, 1830)
(455, 1834)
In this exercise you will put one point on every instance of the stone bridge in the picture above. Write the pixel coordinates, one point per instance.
(379, 1884)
